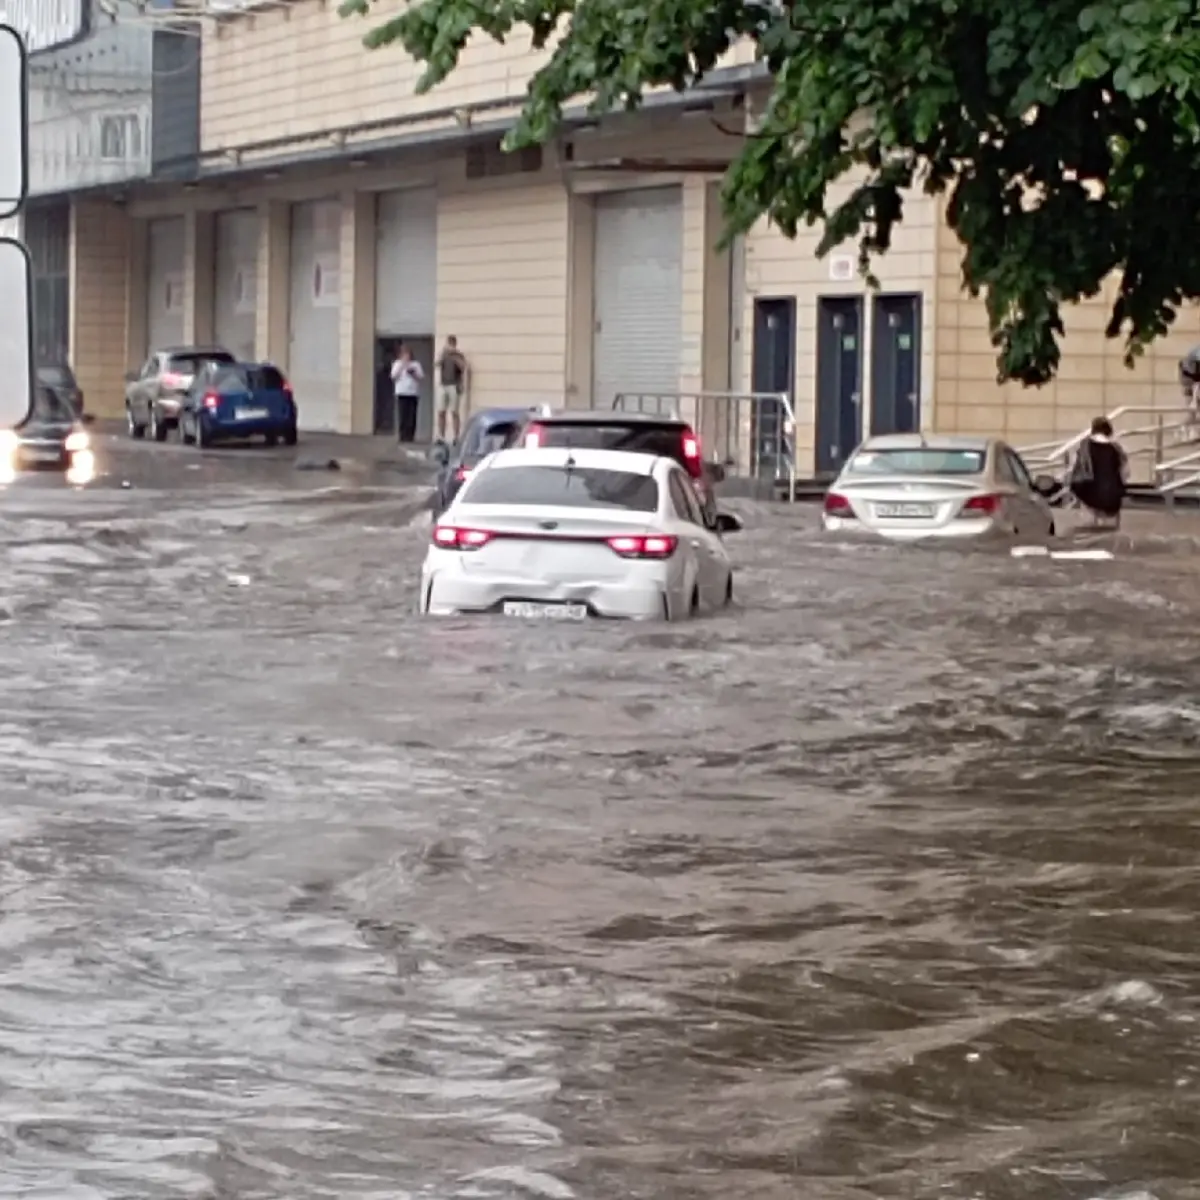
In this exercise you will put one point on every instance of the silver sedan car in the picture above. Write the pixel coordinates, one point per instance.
(911, 486)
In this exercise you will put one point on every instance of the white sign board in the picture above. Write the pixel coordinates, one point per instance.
(46, 24)
(14, 124)
(16, 333)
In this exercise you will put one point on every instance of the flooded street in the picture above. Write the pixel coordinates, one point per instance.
(882, 884)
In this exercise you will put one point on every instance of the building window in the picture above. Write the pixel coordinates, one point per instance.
(120, 138)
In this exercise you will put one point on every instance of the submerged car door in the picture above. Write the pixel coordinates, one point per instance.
(1039, 516)
(687, 510)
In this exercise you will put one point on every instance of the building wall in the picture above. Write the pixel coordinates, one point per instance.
(90, 111)
(1092, 378)
(502, 288)
(776, 267)
(322, 77)
(103, 255)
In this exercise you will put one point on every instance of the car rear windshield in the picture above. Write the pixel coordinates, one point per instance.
(49, 406)
(560, 487)
(665, 441)
(481, 439)
(228, 380)
(919, 460)
(56, 377)
(189, 364)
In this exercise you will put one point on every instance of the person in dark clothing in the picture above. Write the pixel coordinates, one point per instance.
(1099, 473)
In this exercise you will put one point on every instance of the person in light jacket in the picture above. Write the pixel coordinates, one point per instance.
(407, 376)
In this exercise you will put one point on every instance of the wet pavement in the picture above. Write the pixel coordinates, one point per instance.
(881, 885)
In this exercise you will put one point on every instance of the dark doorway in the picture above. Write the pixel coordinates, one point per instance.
(839, 380)
(773, 369)
(386, 347)
(896, 364)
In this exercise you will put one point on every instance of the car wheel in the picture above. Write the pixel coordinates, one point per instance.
(185, 433)
(694, 606)
(289, 438)
(202, 438)
(729, 590)
(135, 430)
(158, 431)
(1052, 532)
(270, 439)
(666, 606)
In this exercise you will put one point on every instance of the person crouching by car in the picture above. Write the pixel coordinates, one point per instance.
(1100, 473)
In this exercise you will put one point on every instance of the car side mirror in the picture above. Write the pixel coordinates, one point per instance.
(88, 418)
(440, 454)
(728, 523)
(1045, 485)
(131, 377)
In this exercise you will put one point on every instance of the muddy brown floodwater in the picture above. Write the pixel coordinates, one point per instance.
(881, 885)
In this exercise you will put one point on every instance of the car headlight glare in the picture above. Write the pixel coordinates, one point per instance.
(8, 442)
(77, 441)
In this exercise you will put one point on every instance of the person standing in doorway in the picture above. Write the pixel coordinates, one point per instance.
(406, 386)
(452, 387)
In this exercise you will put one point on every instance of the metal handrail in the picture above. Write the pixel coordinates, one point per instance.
(705, 413)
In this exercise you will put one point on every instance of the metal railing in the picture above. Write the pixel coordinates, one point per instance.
(1145, 443)
(752, 435)
(1169, 481)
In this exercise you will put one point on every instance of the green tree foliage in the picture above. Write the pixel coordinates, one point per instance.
(1065, 132)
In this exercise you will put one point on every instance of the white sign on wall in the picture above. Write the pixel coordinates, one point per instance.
(326, 281)
(46, 24)
(14, 122)
(173, 292)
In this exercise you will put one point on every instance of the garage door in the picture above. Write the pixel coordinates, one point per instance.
(638, 293)
(164, 282)
(235, 285)
(314, 342)
(406, 263)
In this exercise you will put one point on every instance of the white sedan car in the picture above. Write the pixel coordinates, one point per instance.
(566, 534)
(911, 486)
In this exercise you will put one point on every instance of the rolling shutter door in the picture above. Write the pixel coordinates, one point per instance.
(164, 282)
(235, 285)
(638, 293)
(406, 263)
(314, 328)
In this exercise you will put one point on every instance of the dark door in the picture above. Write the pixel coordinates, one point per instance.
(773, 369)
(896, 364)
(839, 380)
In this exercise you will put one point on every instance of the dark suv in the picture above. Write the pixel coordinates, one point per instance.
(638, 433)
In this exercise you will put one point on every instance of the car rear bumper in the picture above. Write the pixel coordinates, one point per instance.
(958, 530)
(217, 430)
(447, 593)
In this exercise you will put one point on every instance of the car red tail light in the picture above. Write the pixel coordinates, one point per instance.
(691, 454)
(652, 545)
(287, 391)
(836, 505)
(170, 379)
(980, 506)
(454, 537)
(533, 437)
(461, 474)
(212, 400)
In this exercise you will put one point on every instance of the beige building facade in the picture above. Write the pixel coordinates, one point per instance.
(336, 213)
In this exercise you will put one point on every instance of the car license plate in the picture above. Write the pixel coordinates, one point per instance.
(904, 510)
(45, 456)
(249, 414)
(545, 612)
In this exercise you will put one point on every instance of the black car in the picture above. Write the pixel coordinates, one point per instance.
(154, 395)
(52, 437)
(488, 430)
(638, 433)
(60, 379)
